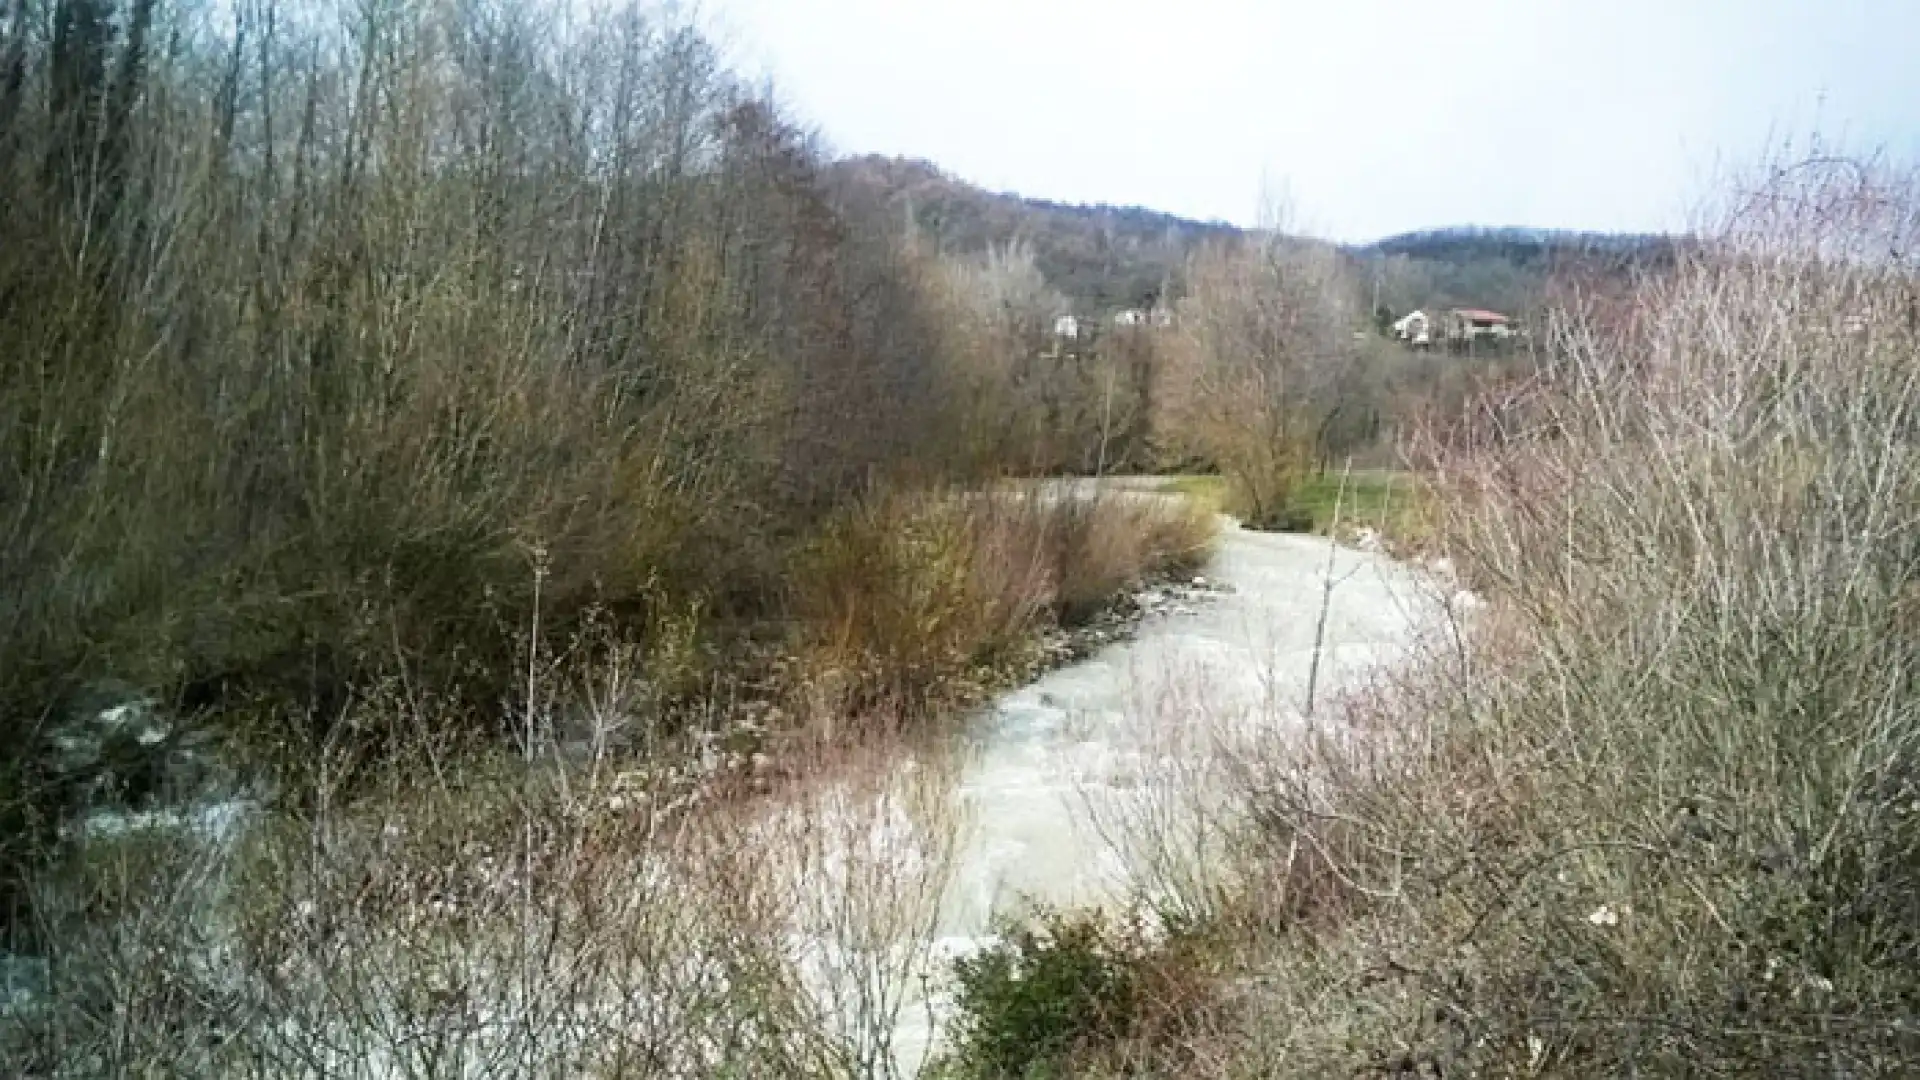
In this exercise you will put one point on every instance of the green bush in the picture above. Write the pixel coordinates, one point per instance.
(1045, 992)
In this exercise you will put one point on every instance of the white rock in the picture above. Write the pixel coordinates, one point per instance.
(123, 714)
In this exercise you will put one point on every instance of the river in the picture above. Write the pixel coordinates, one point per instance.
(1055, 764)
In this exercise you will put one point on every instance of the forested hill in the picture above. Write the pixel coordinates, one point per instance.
(1102, 257)
(1506, 269)
(1521, 246)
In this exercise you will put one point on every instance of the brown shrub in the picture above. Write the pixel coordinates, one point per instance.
(908, 597)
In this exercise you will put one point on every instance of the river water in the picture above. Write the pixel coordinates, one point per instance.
(1051, 768)
(1057, 763)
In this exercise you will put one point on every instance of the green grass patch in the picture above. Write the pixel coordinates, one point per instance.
(1209, 491)
(1392, 501)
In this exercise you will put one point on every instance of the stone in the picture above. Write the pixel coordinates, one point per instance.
(23, 980)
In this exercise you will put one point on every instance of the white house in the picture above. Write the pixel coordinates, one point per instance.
(1159, 317)
(1471, 324)
(1414, 328)
(1068, 327)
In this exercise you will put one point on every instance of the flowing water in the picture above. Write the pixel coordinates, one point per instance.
(1231, 657)
(1093, 733)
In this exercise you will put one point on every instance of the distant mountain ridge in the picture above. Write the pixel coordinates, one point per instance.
(1517, 240)
(1105, 258)
(1102, 257)
(1507, 269)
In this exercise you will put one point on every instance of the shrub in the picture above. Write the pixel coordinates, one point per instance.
(896, 595)
(1102, 545)
(1044, 992)
(903, 594)
(1071, 993)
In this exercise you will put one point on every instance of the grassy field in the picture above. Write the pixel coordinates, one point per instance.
(1391, 501)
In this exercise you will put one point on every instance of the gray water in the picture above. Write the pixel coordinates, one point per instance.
(1211, 669)
(1234, 665)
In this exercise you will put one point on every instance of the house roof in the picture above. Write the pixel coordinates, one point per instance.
(1480, 315)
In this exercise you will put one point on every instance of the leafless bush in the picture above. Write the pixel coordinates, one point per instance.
(918, 597)
(1659, 816)
(523, 919)
(1262, 336)
(870, 841)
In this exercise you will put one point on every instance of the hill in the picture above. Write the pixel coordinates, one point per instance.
(1102, 257)
(1519, 245)
(1506, 269)
(1109, 257)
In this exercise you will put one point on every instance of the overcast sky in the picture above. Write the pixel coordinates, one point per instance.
(1373, 116)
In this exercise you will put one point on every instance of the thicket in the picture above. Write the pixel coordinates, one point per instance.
(1653, 810)
(349, 346)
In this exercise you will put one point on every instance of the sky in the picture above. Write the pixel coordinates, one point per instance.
(1360, 118)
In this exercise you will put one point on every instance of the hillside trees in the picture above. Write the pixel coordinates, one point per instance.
(1102, 258)
(332, 337)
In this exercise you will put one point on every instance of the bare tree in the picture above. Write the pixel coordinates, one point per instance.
(1263, 332)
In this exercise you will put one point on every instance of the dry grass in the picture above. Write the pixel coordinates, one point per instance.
(1104, 545)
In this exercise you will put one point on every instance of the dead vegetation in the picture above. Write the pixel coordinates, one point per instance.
(1656, 816)
(524, 919)
(907, 593)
